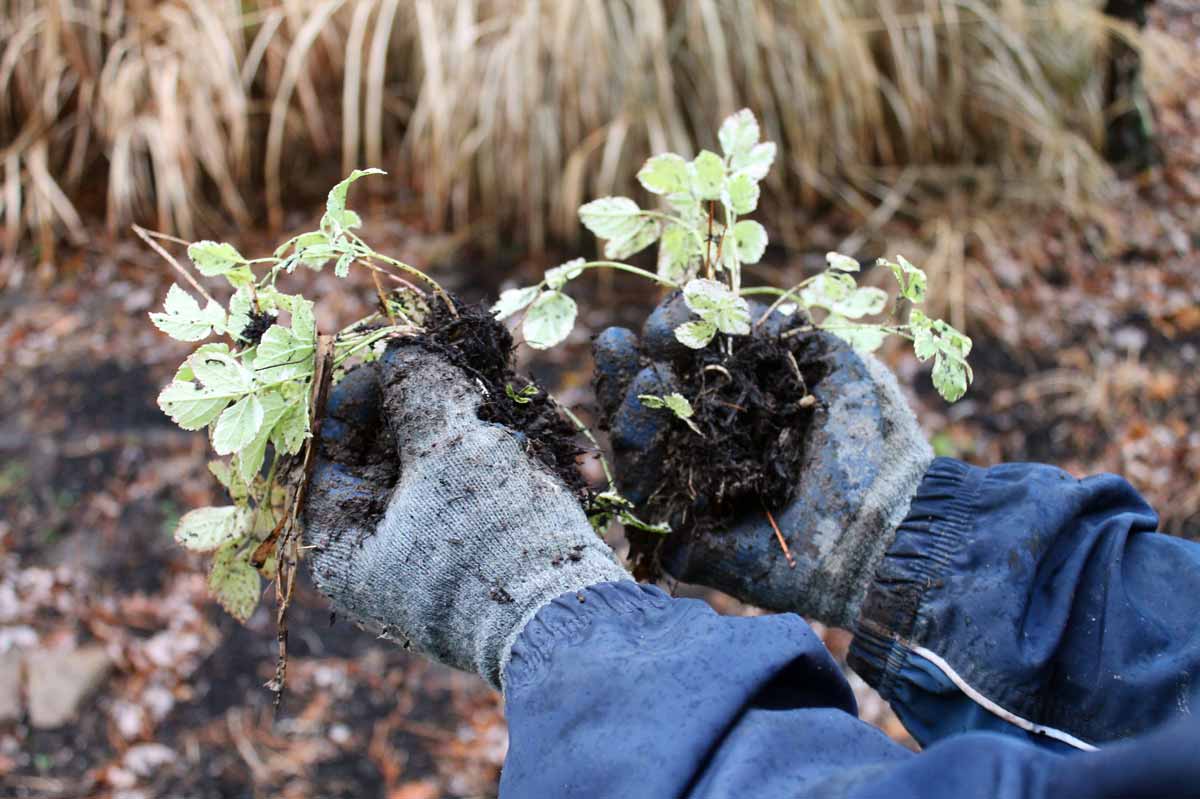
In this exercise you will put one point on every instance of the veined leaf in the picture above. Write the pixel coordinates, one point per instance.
(738, 133)
(750, 239)
(549, 320)
(911, 279)
(864, 338)
(280, 355)
(513, 300)
(234, 582)
(715, 303)
(184, 320)
(557, 277)
(335, 203)
(641, 237)
(237, 425)
(291, 431)
(665, 174)
(708, 175)
(188, 407)
(250, 456)
(611, 217)
(212, 258)
(740, 193)
(220, 373)
(755, 162)
(205, 529)
(695, 334)
(678, 256)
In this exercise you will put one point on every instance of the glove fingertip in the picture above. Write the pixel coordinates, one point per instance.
(615, 352)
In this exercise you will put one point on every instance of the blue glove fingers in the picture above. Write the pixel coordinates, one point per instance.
(658, 333)
(353, 406)
(615, 352)
(638, 434)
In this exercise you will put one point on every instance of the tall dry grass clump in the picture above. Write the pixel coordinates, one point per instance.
(514, 111)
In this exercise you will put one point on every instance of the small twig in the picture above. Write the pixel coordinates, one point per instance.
(787, 553)
(145, 235)
(383, 303)
(708, 265)
(796, 369)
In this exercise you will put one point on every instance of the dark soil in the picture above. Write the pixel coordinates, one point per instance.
(754, 409)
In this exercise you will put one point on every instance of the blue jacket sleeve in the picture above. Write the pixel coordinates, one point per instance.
(1022, 600)
(621, 691)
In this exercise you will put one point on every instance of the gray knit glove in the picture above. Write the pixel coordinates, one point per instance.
(864, 458)
(436, 528)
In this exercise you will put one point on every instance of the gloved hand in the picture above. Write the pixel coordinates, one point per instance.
(434, 527)
(864, 458)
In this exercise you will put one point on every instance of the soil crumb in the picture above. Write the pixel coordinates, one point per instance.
(754, 408)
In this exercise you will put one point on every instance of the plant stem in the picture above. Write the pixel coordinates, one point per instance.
(145, 235)
(411, 270)
(587, 433)
(783, 298)
(633, 270)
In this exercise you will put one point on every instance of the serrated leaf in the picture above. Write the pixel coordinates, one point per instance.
(665, 174)
(549, 320)
(185, 373)
(342, 267)
(911, 278)
(184, 320)
(300, 242)
(842, 263)
(237, 425)
(678, 257)
(827, 289)
(738, 133)
(750, 239)
(716, 304)
(304, 321)
(234, 582)
(513, 300)
(755, 162)
(230, 480)
(611, 217)
(291, 431)
(251, 456)
(205, 529)
(645, 234)
(188, 407)
(557, 277)
(220, 373)
(695, 334)
(740, 193)
(707, 172)
(864, 338)
(281, 354)
(925, 344)
(335, 203)
(949, 377)
(214, 258)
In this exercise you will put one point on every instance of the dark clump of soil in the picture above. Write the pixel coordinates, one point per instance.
(754, 408)
(483, 348)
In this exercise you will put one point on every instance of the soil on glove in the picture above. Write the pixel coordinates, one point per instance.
(483, 348)
(754, 409)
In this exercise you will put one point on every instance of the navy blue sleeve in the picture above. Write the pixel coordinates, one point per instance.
(621, 691)
(1021, 600)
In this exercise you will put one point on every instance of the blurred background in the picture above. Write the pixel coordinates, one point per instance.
(1039, 158)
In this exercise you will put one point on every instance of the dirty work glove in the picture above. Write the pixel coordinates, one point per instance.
(436, 528)
(864, 457)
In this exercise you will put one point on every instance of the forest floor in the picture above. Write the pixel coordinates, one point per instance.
(1087, 356)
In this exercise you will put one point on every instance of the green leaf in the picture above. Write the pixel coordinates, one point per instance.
(950, 377)
(716, 304)
(188, 407)
(220, 373)
(513, 300)
(750, 239)
(234, 582)
(342, 267)
(755, 162)
(864, 338)
(304, 321)
(862, 302)
(522, 397)
(611, 217)
(842, 263)
(335, 203)
(708, 175)
(738, 133)
(678, 257)
(250, 457)
(237, 425)
(183, 319)
(911, 279)
(213, 258)
(557, 277)
(665, 174)
(291, 431)
(740, 193)
(281, 355)
(230, 480)
(645, 234)
(549, 320)
(302, 241)
(205, 529)
(695, 334)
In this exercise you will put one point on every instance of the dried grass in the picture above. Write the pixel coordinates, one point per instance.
(515, 111)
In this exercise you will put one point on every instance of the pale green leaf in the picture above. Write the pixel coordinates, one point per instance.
(738, 133)
(291, 431)
(950, 377)
(184, 320)
(205, 529)
(549, 320)
(281, 354)
(665, 174)
(342, 267)
(911, 278)
(188, 407)
(861, 302)
(652, 402)
(250, 456)
(695, 334)
(755, 162)
(234, 582)
(864, 338)
(715, 303)
(302, 241)
(842, 263)
(557, 277)
(220, 373)
(707, 175)
(678, 256)
(750, 238)
(611, 217)
(740, 193)
(212, 258)
(828, 289)
(237, 425)
(184, 372)
(304, 321)
(513, 300)
(335, 203)
(230, 480)
(641, 237)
